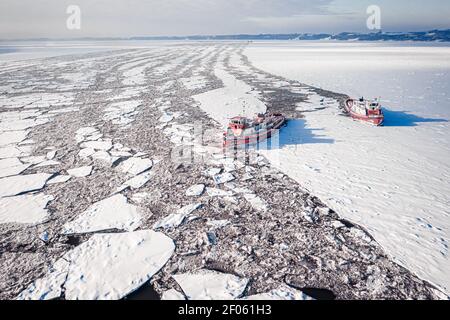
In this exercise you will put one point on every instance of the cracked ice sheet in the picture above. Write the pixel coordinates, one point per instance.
(127, 261)
(28, 209)
(12, 186)
(11, 167)
(175, 219)
(225, 103)
(111, 213)
(12, 137)
(211, 285)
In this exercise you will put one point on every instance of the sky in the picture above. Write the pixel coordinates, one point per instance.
(21, 19)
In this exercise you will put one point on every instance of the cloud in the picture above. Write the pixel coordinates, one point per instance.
(47, 18)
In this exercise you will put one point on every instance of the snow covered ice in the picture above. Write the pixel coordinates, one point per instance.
(211, 285)
(175, 219)
(28, 209)
(111, 213)
(393, 180)
(87, 160)
(128, 260)
(16, 185)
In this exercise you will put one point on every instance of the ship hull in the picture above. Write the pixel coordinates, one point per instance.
(376, 120)
(255, 138)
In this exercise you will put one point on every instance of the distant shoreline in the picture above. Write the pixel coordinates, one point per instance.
(422, 36)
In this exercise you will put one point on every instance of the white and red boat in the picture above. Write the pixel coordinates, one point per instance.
(365, 110)
(243, 131)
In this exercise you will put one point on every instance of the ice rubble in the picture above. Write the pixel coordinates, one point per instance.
(175, 219)
(111, 213)
(217, 224)
(127, 260)
(211, 285)
(27, 209)
(122, 113)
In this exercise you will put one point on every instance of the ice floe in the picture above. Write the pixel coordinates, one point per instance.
(80, 172)
(196, 190)
(122, 113)
(282, 293)
(10, 152)
(85, 133)
(215, 192)
(111, 213)
(28, 209)
(59, 179)
(12, 137)
(211, 285)
(135, 166)
(127, 260)
(104, 145)
(212, 172)
(217, 224)
(173, 295)
(11, 167)
(137, 182)
(51, 155)
(47, 163)
(223, 178)
(175, 219)
(34, 160)
(15, 185)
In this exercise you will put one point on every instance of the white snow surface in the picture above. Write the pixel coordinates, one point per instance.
(281, 293)
(106, 267)
(173, 295)
(80, 172)
(27, 209)
(111, 213)
(394, 180)
(211, 285)
(16, 185)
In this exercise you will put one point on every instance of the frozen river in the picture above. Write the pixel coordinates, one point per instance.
(394, 180)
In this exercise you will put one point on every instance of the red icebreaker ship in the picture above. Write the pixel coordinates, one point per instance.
(365, 110)
(243, 131)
